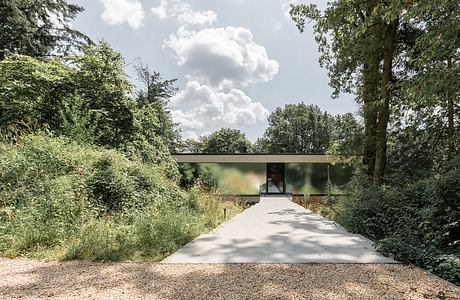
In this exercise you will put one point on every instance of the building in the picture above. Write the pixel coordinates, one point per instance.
(255, 174)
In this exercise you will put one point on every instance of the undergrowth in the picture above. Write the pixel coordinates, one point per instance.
(63, 200)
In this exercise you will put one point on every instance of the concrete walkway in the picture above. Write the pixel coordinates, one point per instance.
(276, 230)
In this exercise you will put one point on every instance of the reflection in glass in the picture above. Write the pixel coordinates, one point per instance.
(311, 178)
(234, 178)
(252, 178)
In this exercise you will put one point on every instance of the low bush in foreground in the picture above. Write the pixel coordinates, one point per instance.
(62, 200)
(416, 222)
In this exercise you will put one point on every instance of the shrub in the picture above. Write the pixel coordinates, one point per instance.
(110, 185)
(417, 222)
(60, 199)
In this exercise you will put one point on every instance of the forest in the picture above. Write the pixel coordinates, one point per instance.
(85, 156)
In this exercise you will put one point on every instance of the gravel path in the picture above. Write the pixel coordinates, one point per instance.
(35, 279)
(276, 230)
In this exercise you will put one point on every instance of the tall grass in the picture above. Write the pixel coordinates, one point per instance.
(63, 200)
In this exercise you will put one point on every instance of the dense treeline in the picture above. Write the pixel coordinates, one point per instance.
(85, 165)
(401, 60)
(294, 128)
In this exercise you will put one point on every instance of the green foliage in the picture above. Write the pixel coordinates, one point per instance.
(156, 94)
(92, 95)
(101, 81)
(347, 136)
(85, 98)
(110, 185)
(33, 89)
(227, 141)
(416, 221)
(192, 146)
(300, 128)
(39, 27)
(61, 199)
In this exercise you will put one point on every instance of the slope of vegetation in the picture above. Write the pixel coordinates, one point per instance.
(85, 164)
(60, 199)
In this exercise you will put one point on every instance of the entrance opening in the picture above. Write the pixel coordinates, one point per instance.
(275, 178)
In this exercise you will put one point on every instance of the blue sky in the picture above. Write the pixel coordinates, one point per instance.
(235, 60)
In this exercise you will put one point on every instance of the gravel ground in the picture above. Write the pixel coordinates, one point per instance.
(36, 279)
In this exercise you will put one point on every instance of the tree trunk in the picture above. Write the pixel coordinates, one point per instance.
(370, 95)
(450, 117)
(370, 91)
(383, 114)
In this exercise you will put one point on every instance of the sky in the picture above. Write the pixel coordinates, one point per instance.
(235, 61)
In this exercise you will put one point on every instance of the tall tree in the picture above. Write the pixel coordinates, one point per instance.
(156, 94)
(298, 128)
(102, 82)
(227, 141)
(39, 28)
(347, 136)
(434, 60)
(357, 40)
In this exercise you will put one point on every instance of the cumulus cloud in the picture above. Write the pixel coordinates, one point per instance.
(222, 56)
(183, 13)
(160, 10)
(123, 11)
(186, 119)
(199, 107)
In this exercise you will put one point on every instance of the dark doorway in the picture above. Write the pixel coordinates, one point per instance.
(275, 178)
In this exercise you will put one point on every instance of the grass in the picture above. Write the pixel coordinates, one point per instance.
(63, 200)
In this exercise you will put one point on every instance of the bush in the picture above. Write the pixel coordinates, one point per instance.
(60, 199)
(417, 222)
(110, 185)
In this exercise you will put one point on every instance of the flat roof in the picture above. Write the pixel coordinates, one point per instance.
(253, 158)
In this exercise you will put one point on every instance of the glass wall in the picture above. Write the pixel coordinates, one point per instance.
(232, 178)
(251, 178)
(311, 178)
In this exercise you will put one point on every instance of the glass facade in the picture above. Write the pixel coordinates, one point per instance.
(311, 178)
(232, 178)
(252, 178)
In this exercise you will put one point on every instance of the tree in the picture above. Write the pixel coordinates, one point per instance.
(156, 94)
(102, 82)
(352, 57)
(347, 136)
(298, 128)
(227, 141)
(432, 85)
(192, 146)
(360, 56)
(39, 28)
(91, 87)
(261, 145)
(33, 90)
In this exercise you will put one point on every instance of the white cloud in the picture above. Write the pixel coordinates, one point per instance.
(209, 108)
(160, 10)
(190, 16)
(186, 119)
(123, 11)
(183, 13)
(223, 56)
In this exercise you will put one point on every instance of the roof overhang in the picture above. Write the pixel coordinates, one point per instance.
(254, 158)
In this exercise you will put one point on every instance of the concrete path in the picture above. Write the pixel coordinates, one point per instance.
(276, 230)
